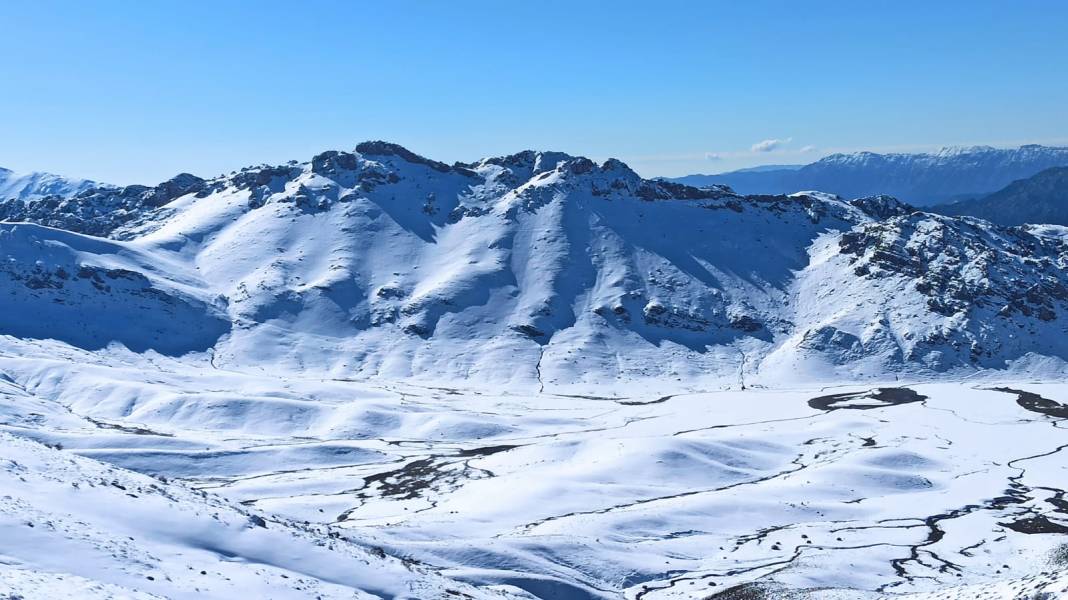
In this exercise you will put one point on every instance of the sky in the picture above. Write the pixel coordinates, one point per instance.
(135, 92)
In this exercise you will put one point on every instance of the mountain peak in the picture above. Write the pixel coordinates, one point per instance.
(31, 186)
(882, 206)
(175, 187)
(381, 148)
(614, 164)
(532, 162)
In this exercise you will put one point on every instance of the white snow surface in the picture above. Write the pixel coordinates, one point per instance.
(871, 493)
(73, 527)
(34, 185)
(376, 375)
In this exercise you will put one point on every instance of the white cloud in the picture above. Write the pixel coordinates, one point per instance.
(770, 145)
(808, 149)
(713, 156)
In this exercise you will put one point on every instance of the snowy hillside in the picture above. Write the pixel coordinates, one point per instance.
(920, 179)
(92, 292)
(33, 186)
(75, 528)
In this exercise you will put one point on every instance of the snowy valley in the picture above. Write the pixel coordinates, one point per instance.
(373, 374)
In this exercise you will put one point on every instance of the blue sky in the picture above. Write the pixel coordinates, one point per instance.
(134, 92)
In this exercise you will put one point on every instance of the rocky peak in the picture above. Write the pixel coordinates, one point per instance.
(614, 164)
(173, 188)
(274, 177)
(529, 162)
(332, 162)
(882, 206)
(380, 148)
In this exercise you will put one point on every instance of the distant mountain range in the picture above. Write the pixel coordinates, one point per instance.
(28, 186)
(1042, 198)
(949, 175)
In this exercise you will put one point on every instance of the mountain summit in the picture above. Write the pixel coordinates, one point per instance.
(31, 186)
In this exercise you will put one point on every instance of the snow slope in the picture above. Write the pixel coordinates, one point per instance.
(92, 292)
(72, 527)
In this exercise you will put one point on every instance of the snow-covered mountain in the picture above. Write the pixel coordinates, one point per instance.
(920, 179)
(1042, 198)
(533, 376)
(31, 186)
(537, 268)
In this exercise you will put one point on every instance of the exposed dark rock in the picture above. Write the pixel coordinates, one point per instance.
(380, 148)
(529, 331)
(882, 206)
(99, 211)
(332, 162)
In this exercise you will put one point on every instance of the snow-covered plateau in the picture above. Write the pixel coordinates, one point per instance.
(534, 376)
